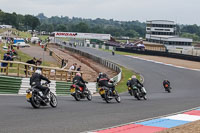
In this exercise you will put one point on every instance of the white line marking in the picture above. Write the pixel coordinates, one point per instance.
(163, 63)
(184, 117)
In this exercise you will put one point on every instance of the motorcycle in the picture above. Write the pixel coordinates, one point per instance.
(107, 94)
(135, 91)
(34, 96)
(167, 88)
(78, 94)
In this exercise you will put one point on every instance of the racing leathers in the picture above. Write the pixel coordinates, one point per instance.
(78, 80)
(104, 81)
(35, 80)
(135, 82)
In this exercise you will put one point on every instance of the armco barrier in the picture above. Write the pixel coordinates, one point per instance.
(99, 60)
(9, 85)
(160, 53)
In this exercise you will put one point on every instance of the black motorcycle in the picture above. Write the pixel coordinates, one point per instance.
(35, 97)
(137, 93)
(78, 93)
(107, 94)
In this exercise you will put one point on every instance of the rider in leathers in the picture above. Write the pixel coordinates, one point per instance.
(135, 82)
(78, 80)
(105, 81)
(35, 80)
(166, 82)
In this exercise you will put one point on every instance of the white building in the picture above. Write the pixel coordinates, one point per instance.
(5, 26)
(165, 32)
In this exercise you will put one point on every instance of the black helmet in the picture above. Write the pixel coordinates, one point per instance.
(104, 75)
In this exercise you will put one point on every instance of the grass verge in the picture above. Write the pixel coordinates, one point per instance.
(121, 53)
(126, 74)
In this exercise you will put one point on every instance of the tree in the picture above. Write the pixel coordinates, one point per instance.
(31, 21)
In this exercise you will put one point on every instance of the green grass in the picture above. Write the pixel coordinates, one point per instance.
(2, 30)
(126, 74)
(121, 53)
(24, 34)
(43, 37)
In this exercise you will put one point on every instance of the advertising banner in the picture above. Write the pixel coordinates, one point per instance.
(83, 35)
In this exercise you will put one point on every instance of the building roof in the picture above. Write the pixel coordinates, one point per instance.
(169, 38)
(160, 22)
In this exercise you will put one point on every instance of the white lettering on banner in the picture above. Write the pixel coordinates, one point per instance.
(83, 35)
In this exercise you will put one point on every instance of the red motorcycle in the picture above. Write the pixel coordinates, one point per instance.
(78, 93)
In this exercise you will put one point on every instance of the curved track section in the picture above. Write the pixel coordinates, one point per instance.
(72, 117)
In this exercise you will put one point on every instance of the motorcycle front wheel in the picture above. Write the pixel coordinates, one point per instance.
(117, 97)
(89, 96)
(53, 100)
(136, 94)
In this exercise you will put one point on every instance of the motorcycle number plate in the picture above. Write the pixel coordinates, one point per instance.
(102, 92)
(129, 88)
(72, 90)
(28, 95)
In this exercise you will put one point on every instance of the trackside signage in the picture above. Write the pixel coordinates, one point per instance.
(83, 35)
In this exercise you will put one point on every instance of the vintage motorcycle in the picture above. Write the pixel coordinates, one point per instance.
(135, 91)
(78, 94)
(107, 94)
(34, 96)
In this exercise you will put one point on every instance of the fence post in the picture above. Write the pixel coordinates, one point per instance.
(7, 69)
(27, 71)
(18, 70)
(61, 76)
(66, 76)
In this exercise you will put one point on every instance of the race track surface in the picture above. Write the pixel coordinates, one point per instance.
(17, 116)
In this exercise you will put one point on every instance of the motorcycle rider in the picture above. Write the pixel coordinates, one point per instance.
(35, 80)
(99, 76)
(105, 81)
(166, 82)
(135, 82)
(78, 80)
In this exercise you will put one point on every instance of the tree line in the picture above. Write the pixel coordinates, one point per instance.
(20, 22)
(133, 29)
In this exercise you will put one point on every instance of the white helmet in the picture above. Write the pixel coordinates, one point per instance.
(38, 71)
(133, 76)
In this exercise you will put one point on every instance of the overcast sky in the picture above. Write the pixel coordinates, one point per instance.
(180, 11)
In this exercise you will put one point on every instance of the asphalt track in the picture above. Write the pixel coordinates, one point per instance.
(17, 116)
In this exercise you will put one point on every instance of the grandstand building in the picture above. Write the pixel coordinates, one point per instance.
(165, 32)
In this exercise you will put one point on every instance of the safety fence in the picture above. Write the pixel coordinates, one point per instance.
(21, 69)
(160, 53)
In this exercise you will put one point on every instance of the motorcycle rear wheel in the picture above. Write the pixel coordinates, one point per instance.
(34, 102)
(136, 94)
(77, 96)
(107, 99)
